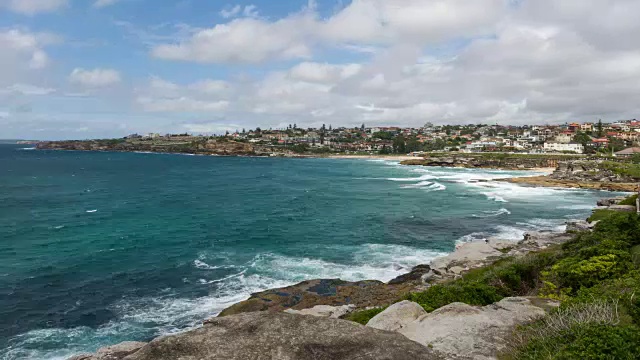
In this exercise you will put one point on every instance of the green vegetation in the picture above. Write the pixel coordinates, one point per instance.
(623, 169)
(600, 214)
(363, 317)
(631, 200)
(484, 286)
(596, 276)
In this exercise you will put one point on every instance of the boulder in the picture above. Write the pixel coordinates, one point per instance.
(334, 312)
(461, 331)
(114, 352)
(281, 336)
(397, 316)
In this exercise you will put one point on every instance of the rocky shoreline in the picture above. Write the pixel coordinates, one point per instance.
(582, 174)
(288, 323)
(306, 320)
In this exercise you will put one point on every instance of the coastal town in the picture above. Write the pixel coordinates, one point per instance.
(617, 138)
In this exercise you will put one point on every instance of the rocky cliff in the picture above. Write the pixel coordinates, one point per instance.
(194, 145)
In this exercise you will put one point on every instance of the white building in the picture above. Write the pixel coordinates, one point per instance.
(560, 147)
(563, 138)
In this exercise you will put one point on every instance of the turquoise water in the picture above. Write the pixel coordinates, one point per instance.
(98, 248)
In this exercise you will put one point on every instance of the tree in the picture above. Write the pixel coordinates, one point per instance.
(383, 135)
(385, 150)
(599, 129)
(412, 144)
(399, 145)
(362, 127)
(258, 131)
(582, 138)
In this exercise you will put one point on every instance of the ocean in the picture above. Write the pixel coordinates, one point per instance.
(99, 248)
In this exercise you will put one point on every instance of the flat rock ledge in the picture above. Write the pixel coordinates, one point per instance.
(459, 331)
(281, 336)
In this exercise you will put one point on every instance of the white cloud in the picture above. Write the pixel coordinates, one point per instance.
(181, 104)
(363, 22)
(94, 78)
(323, 72)
(23, 55)
(27, 89)
(229, 12)
(32, 7)
(244, 40)
(236, 10)
(104, 3)
(204, 96)
(401, 62)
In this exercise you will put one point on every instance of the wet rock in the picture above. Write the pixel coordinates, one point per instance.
(332, 292)
(416, 274)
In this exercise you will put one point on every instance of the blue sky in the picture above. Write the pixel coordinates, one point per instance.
(104, 68)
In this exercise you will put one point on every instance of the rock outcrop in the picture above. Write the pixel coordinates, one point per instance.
(502, 161)
(189, 145)
(461, 331)
(588, 171)
(115, 352)
(331, 292)
(281, 336)
(584, 174)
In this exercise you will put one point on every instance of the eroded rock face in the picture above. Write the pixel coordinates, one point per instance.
(461, 331)
(281, 336)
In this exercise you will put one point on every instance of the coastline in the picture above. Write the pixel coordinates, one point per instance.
(441, 270)
(391, 158)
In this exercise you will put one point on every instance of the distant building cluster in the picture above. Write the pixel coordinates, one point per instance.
(579, 138)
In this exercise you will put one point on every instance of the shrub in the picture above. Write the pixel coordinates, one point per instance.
(624, 291)
(472, 293)
(581, 331)
(363, 316)
(631, 200)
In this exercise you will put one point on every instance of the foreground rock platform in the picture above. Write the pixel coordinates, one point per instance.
(281, 336)
(460, 331)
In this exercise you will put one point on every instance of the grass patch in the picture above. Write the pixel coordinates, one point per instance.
(600, 214)
(363, 316)
(623, 169)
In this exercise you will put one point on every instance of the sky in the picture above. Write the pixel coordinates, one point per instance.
(79, 69)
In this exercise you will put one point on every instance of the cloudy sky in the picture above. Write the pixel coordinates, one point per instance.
(105, 68)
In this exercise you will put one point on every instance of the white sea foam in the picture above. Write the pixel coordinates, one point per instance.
(203, 265)
(92, 211)
(490, 213)
(577, 207)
